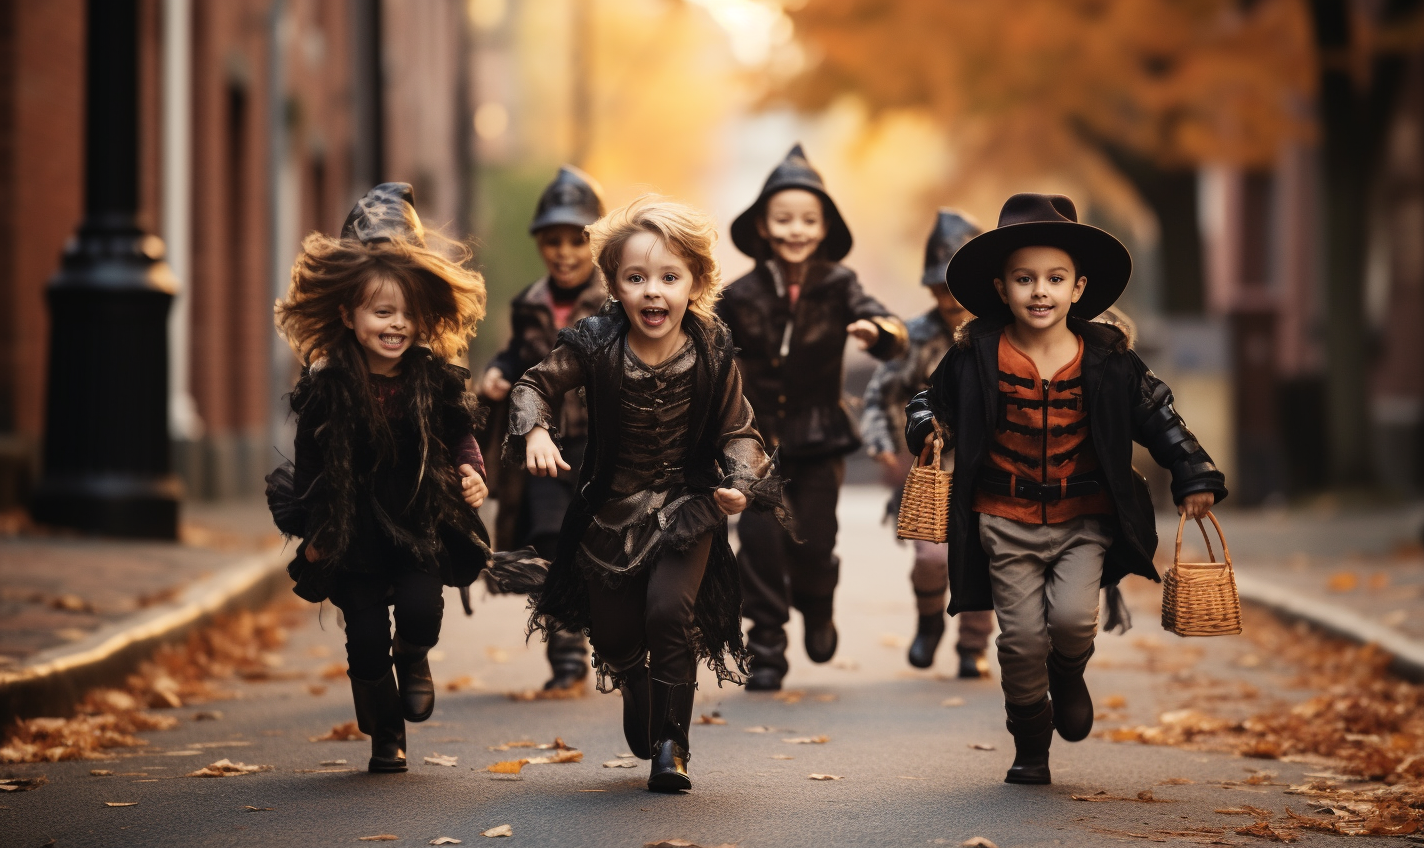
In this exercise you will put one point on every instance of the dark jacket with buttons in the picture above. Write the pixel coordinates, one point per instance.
(1126, 403)
(792, 357)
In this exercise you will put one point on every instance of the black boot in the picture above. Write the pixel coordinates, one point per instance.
(1032, 727)
(378, 714)
(972, 664)
(417, 689)
(927, 636)
(1072, 704)
(821, 637)
(672, 716)
(637, 706)
(768, 666)
(567, 651)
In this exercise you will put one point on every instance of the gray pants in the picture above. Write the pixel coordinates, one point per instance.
(1045, 579)
(930, 579)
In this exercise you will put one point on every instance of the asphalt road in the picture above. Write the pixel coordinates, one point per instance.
(908, 746)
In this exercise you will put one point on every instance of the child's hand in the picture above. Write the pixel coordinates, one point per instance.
(472, 486)
(865, 331)
(542, 456)
(1196, 506)
(730, 501)
(493, 386)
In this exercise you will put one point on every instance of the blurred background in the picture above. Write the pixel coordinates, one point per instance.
(1263, 159)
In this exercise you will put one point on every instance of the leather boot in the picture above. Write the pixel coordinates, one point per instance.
(768, 665)
(972, 664)
(1032, 727)
(821, 636)
(417, 689)
(1072, 704)
(378, 714)
(637, 706)
(927, 636)
(672, 716)
(567, 651)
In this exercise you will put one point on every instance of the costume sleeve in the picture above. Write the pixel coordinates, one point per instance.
(874, 421)
(467, 452)
(893, 337)
(1157, 426)
(937, 403)
(535, 399)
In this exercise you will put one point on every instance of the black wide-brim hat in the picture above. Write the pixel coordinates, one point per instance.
(793, 172)
(572, 198)
(1039, 220)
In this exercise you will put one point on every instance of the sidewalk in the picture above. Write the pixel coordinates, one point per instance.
(77, 612)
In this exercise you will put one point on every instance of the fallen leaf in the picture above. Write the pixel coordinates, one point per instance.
(444, 840)
(1176, 781)
(227, 768)
(981, 746)
(827, 697)
(335, 671)
(441, 760)
(345, 732)
(333, 762)
(383, 837)
(258, 809)
(557, 745)
(807, 740)
(680, 843)
(892, 640)
(956, 701)
(826, 777)
(1246, 810)
(464, 681)
(1114, 702)
(1143, 797)
(100, 773)
(207, 715)
(322, 771)
(621, 764)
(759, 729)
(977, 842)
(502, 830)
(23, 784)
(789, 696)
(782, 757)
(515, 766)
(710, 719)
(121, 803)
(1264, 830)
(1343, 581)
(317, 689)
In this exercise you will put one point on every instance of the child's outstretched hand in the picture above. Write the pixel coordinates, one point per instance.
(472, 486)
(865, 331)
(730, 501)
(1196, 506)
(542, 456)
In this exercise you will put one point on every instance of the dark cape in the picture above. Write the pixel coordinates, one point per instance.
(597, 342)
(354, 488)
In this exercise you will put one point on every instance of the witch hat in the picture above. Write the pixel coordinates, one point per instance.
(573, 198)
(951, 230)
(385, 213)
(793, 172)
(1030, 220)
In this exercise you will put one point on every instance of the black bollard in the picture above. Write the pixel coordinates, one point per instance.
(107, 467)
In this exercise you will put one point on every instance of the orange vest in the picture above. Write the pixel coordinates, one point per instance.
(1041, 435)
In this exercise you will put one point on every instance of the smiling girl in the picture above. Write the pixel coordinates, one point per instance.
(387, 473)
(643, 562)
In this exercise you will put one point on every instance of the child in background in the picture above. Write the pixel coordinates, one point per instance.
(1042, 405)
(643, 563)
(387, 474)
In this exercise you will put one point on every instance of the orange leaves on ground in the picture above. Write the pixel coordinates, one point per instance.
(23, 784)
(515, 766)
(104, 722)
(501, 830)
(807, 740)
(578, 690)
(334, 671)
(344, 732)
(557, 745)
(1143, 797)
(711, 719)
(227, 768)
(1343, 581)
(825, 777)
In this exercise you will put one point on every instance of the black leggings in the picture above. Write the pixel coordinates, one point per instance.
(419, 603)
(651, 614)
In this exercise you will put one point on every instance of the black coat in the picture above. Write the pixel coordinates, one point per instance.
(1126, 403)
(797, 397)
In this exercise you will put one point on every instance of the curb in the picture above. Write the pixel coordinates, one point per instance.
(53, 681)
(1408, 653)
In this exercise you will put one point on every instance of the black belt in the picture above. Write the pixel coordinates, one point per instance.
(998, 482)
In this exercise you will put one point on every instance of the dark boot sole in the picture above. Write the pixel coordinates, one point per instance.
(669, 782)
(1028, 779)
(386, 766)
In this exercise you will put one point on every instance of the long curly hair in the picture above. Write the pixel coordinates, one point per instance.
(687, 232)
(330, 275)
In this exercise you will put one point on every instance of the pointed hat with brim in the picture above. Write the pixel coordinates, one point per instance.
(385, 213)
(1031, 220)
(952, 230)
(793, 172)
(572, 197)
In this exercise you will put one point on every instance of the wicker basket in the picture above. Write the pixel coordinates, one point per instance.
(1199, 598)
(924, 507)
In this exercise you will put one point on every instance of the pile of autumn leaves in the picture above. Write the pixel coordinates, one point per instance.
(1367, 725)
(235, 646)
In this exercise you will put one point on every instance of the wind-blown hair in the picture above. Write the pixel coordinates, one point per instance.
(687, 232)
(445, 298)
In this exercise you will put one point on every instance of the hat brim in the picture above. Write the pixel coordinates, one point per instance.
(834, 248)
(1096, 254)
(556, 216)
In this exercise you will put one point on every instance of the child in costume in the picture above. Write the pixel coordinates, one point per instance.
(881, 424)
(1042, 405)
(643, 563)
(387, 474)
(532, 508)
(789, 318)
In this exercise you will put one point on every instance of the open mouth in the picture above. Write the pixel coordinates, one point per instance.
(1040, 311)
(654, 316)
(392, 341)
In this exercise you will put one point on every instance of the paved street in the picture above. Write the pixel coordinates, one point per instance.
(908, 747)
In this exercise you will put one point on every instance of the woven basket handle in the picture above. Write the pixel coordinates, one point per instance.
(1182, 522)
(937, 444)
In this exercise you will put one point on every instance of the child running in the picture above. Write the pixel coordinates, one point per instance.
(1043, 404)
(387, 473)
(643, 563)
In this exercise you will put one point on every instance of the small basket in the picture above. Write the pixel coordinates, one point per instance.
(1200, 598)
(924, 507)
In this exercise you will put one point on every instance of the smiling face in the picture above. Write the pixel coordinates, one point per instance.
(1040, 285)
(794, 225)
(566, 254)
(654, 285)
(383, 325)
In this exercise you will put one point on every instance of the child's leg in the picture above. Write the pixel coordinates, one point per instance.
(814, 567)
(766, 595)
(373, 684)
(672, 595)
(1071, 601)
(419, 607)
(930, 579)
(616, 617)
(1018, 560)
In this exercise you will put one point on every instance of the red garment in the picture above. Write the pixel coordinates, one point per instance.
(1041, 435)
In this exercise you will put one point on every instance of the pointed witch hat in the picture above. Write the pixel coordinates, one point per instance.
(793, 172)
(952, 230)
(385, 213)
(572, 198)
(1031, 220)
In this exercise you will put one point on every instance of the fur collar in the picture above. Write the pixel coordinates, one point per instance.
(1106, 337)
